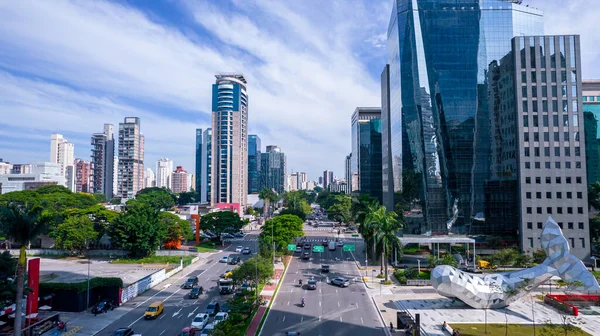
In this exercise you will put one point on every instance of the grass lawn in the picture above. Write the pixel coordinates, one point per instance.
(208, 246)
(596, 273)
(513, 330)
(155, 260)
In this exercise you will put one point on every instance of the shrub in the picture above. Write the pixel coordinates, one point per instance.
(387, 282)
(411, 273)
(380, 276)
(399, 274)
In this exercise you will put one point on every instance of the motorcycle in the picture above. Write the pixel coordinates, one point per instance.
(60, 325)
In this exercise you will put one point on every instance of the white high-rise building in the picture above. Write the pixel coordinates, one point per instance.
(131, 158)
(164, 169)
(149, 178)
(115, 174)
(293, 182)
(103, 165)
(63, 153)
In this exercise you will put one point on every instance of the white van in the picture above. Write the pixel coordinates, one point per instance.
(331, 245)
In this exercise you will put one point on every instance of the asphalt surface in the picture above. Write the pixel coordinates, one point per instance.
(329, 310)
(179, 309)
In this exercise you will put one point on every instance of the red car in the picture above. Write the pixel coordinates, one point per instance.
(190, 331)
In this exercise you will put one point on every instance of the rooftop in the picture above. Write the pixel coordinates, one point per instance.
(237, 76)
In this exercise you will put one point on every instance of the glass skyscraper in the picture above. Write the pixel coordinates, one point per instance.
(439, 52)
(253, 164)
(273, 170)
(591, 122)
(366, 161)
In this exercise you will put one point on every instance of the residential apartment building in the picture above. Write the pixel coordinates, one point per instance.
(131, 158)
(327, 178)
(164, 168)
(229, 140)
(102, 165)
(149, 178)
(62, 152)
(179, 180)
(82, 176)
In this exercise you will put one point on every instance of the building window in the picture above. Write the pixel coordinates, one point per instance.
(577, 151)
(538, 180)
(557, 164)
(537, 165)
(568, 181)
(577, 164)
(578, 179)
(549, 210)
(560, 225)
(549, 194)
(580, 225)
(527, 165)
(580, 210)
(579, 194)
(539, 225)
(567, 151)
(570, 225)
(539, 210)
(569, 194)
(527, 151)
(538, 195)
(559, 210)
(568, 164)
(556, 150)
(547, 164)
(547, 152)
(530, 242)
(529, 210)
(548, 180)
(582, 241)
(572, 242)
(526, 136)
(529, 225)
(558, 194)
(546, 136)
(570, 210)
(528, 195)
(558, 180)
(528, 180)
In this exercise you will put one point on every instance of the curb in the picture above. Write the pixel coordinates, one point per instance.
(266, 316)
(385, 328)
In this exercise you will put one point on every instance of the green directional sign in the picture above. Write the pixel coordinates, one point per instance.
(355, 235)
(349, 248)
(291, 247)
(318, 248)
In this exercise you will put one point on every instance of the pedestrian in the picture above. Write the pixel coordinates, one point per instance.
(391, 327)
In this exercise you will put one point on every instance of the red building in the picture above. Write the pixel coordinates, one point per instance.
(82, 176)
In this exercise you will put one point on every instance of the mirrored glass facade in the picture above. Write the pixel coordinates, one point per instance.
(440, 52)
(366, 159)
(591, 122)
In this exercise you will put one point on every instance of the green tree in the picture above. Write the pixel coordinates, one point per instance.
(115, 200)
(522, 260)
(594, 195)
(22, 224)
(188, 197)
(138, 229)
(74, 234)
(8, 285)
(177, 228)
(361, 206)
(101, 198)
(504, 257)
(283, 230)
(368, 228)
(158, 198)
(98, 214)
(251, 269)
(595, 228)
(296, 204)
(221, 221)
(269, 197)
(386, 235)
(539, 256)
(339, 211)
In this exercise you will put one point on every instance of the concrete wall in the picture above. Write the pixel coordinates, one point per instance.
(57, 252)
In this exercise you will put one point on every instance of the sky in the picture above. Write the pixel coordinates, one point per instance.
(70, 66)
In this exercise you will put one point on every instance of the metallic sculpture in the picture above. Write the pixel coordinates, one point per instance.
(498, 290)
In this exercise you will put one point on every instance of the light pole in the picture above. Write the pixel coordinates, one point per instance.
(419, 265)
(88, 280)
(273, 238)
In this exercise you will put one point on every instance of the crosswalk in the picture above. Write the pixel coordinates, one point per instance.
(318, 229)
(307, 239)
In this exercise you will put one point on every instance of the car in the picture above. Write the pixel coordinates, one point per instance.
(324, 268)
(307, 246)
(200, 320)
(239, 234)
(224, 260)
(306, 256)
(225, 308)
(324, 242)
(239, 249)
(298, 249)
(225, 274)
(156, 308)
(220, 317)
(213, 308)
(234, 260)
(246, 250)
(339, 243)
(246, 287)
(208, 330)
(342, 282)
(312, 284)
(123, 332)
(292, 333)
(196, 292)
(103, 306)
(191, 282)
(190, 331)
(226, 235)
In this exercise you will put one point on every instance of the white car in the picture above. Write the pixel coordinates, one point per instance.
(224, 260)
(239, 249)
(220, 317)
(200, 321)
(208, 330)
(340, 243)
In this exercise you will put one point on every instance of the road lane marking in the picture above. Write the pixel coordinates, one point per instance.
(319, 303)
(168, 297)
(338, 304)
(336, 291)
(162, 316)
(132, 323)
(361, 321)
(319, 318)
(177, 312)
(192, 313)
(283, 318)
(341, 319)
(162, 332)
(288, 303)
(302, 319)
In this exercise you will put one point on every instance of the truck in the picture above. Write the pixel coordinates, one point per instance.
(331, 245)
(225, 286)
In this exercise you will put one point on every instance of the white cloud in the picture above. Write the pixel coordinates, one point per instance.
(304, 78)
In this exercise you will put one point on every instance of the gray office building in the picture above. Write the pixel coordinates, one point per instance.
(102, 167)
(273, 169)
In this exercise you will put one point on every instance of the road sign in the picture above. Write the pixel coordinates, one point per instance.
(318, 248)
(291, 247)
(349, 248)
(355, 235)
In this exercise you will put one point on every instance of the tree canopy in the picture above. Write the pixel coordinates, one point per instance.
(188, 197)
(158, 198)
(138, 229)
(339, 211)
(282, 229)
(177, 228)
(221, 221)
(74, 234)
(247, 272)
(295, 203)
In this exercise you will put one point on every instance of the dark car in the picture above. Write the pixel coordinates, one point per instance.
(312, 284)
(324, 268)
(213, 308)
(324, 242)
(225, 308)
(306, 256)
(246, 250)
(103, 307)
(123, 332)
(234, 260)
(306, 246)
(190, 331)
(342, 282)
(196, 292)
(191, 282)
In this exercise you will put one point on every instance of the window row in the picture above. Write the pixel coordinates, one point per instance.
(566, 151)
(543, 91)
(591, 98)
(557, 165)
(567, 136)
(571, 242)
(535, 106)
(533, 75)
(568, 194)
(570, 225)
(545, 120)
(557, 180)
(559, 210)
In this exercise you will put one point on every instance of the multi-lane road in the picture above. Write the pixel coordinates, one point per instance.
(179, 309)
(329, 310)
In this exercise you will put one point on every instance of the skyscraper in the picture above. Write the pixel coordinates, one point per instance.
(366, 151)
(254, 148)
(348, 170)
(164, 168)
(273, 169)
(293, 182)
(387, 181)
(439, 117)
(82, 176)
(131, 158)
(103, 164)
(206, 178)
(229, 140)
(327, 178)
(62, 152)
(179, 180)
(591, 123)
(149, 178)
(199, 149)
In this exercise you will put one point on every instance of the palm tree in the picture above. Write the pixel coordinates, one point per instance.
(360, 207)
(368, 227)
(385, 236)
(268, 196)
(21, 224)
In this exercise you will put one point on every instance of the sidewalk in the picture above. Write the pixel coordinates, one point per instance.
(266, 294)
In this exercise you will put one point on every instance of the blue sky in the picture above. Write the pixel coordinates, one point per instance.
(71, 66)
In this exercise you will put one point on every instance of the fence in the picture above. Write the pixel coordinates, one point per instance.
(418, 282)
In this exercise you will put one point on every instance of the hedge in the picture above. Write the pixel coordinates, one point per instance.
(81, 286)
